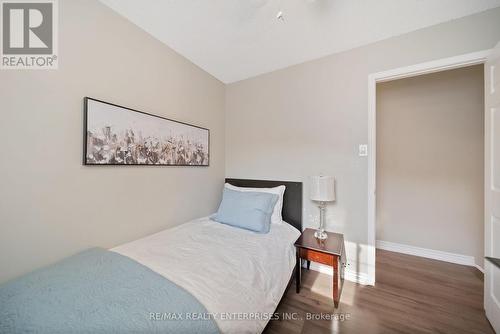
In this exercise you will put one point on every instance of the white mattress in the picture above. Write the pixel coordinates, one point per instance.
(229, 270)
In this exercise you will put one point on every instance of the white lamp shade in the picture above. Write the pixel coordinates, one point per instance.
(322, 188)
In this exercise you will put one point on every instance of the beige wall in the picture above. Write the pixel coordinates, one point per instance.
(50, 205)
(309, 119)
(430, 161)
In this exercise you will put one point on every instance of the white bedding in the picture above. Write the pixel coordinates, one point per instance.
(229, 270)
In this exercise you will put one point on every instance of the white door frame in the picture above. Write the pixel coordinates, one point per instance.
(468, 59)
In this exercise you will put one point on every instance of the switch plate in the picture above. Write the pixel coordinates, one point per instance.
(363, 150)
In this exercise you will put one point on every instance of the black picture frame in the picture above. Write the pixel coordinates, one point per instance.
(89, 162)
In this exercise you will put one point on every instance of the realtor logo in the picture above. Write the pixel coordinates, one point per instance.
(29, 34)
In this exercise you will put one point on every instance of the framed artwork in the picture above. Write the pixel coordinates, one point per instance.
(116, 135)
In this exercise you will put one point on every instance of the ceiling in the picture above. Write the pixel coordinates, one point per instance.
(238, 39)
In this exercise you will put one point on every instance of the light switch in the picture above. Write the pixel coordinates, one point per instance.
(363, 150)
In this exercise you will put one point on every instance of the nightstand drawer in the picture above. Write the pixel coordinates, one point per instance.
(315, 256)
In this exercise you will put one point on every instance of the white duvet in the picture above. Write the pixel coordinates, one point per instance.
(233, 272)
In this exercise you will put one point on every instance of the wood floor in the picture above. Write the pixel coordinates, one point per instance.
(412, 295)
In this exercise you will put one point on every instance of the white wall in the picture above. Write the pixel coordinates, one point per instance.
(430, 161)
(309, 119)
(50, 205)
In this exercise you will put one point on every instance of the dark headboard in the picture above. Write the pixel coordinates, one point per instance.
(292, 199)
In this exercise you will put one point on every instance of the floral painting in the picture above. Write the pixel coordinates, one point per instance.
(116, 135)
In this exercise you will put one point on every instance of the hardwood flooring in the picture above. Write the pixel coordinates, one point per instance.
(411, 295)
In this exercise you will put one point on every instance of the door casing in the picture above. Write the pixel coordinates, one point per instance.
(444, 64)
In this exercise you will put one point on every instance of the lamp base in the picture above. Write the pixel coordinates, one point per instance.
(319, 234)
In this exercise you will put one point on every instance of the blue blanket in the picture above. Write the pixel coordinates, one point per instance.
(98, 291)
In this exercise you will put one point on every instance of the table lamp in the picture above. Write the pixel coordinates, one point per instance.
(322, 191)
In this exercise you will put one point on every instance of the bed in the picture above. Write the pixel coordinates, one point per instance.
(201, 276)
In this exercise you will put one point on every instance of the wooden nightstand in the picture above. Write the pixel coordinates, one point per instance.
(329, 251)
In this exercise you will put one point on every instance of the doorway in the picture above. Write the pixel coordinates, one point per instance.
(430, 165)
(399, 73)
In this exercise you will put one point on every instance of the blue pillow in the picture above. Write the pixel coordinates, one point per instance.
(246, 209)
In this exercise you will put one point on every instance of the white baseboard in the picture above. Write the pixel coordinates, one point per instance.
(481, 269)
(349, 275)
(362, 278)
(466, 260)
